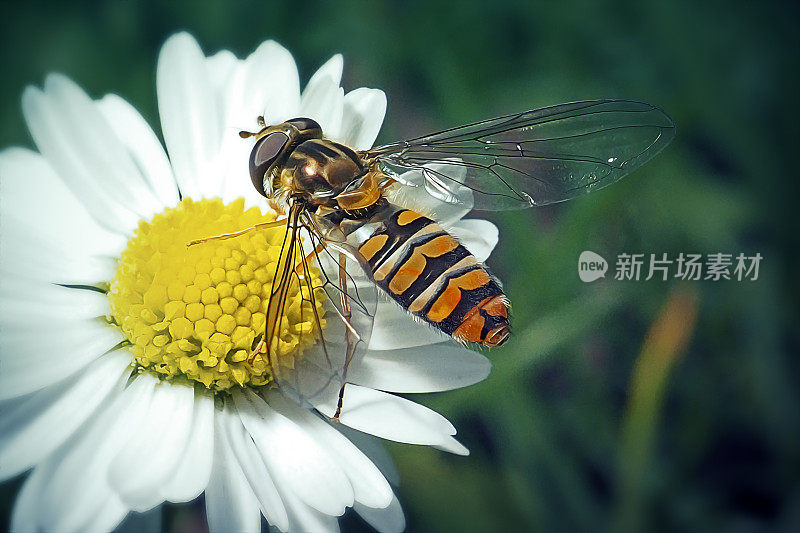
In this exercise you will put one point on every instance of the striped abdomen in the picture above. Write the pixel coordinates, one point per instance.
(428, 272)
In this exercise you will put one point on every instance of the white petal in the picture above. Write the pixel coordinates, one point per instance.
(305, 518)
(36, 196)
(332, 70)
(26, 515)
(260, 479)
(144, 147)
(453, 446)
(222, 68)
(369, 485)
(390, 417)
(149, 458)
(362, 117)
(190, 118)
(323, 99)
(108, 517)
(293, 457)
(28, 512)
(394, 328)
(194, 469)
(235, 97)
(388, 520)
(28, 253)
(45, 420)
(433, 368)
(230, 503)
(75, 137)
(373, 448)
(236, 180)
(477, 235)
(325, 105)
(31, 303)
(28, 367)
(115, 172)
(267, 84)
(272, 79)
(77, 487)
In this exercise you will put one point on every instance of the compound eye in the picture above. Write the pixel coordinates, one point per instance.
(265, 152)
(306, 126)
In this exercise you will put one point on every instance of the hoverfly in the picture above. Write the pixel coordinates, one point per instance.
(353, 212)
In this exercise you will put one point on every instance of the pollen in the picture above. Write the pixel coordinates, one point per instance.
(199, 311)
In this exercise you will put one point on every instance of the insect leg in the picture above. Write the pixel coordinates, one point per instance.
(257, 349)
(351, 339)
(311, 255)
(280, 282)
(300, 265)
(263, 225)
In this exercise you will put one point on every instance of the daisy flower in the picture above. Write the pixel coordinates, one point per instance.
(123, 373)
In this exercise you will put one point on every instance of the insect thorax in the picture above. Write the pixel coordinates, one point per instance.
(319, 170)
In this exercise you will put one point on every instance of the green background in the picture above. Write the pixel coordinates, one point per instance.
(582, 425)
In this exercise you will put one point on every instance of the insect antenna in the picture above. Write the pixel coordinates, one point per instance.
(244, 134)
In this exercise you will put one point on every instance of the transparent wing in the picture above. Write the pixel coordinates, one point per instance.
(325, 319)
(537, 157)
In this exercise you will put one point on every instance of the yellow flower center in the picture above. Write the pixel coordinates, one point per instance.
(200, 311)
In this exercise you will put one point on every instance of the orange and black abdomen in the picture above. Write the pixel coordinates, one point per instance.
(431, 274)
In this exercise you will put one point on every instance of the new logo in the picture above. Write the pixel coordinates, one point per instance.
(591, 266)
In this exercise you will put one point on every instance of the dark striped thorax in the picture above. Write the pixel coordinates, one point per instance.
(322, 170)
